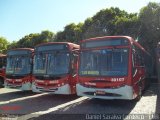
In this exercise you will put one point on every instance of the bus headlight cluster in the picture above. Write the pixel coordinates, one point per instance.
(9, 79)
(60, 84)
(88, 83)
(53, 82)
(40, 81)
(18, 80)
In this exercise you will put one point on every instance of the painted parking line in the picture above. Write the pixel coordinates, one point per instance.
(39, 113)
(22, 98)
(6, 90)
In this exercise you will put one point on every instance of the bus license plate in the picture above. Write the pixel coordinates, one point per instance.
(100, 92)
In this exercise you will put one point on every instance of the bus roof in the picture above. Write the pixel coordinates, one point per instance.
(72, 45)
(30, 49)
(2, 55)
(103, 37)
(130, 39)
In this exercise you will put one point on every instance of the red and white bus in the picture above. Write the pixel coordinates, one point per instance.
(112, 67)
(19, 68)
(55, 65)
(2, 68)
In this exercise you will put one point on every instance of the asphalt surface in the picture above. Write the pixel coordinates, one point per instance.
(21, 105)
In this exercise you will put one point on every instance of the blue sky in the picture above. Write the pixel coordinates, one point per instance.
(22, 17)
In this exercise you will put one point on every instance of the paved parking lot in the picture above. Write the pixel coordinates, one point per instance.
(20, 105)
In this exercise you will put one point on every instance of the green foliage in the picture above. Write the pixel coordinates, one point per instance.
(72, 33)
(149, 17)
(12, 45)
(33, 39)
(111, 21)
(3, 45)
(128, 25)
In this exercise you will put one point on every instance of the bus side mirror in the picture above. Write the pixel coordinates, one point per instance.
(76, 51)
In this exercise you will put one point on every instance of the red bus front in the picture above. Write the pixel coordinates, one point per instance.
(53, 69)
(105, 68)
(19, 69)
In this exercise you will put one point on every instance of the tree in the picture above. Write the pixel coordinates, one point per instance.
(3, 45)
(60, 36)
(149, 37)
(33, 39)
(72, 33)
(12, 45)
(112, 21)
(128, 25)
(46, 36)
(149, 17)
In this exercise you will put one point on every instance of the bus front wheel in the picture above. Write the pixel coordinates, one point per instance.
(1, 82)
(139, 94)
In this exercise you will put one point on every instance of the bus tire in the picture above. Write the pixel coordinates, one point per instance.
(139, 94)
(1, 82)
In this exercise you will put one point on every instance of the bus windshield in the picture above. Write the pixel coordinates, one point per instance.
(105, 62)
(18, 65)
(51, 63)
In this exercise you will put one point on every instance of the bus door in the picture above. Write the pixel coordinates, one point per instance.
(138, 71)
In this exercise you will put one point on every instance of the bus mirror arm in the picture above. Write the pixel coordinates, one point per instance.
(74, 75)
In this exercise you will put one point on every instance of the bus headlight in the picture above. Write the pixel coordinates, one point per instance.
(39, 81)
(8, 79)
(18, 80)
(53, 82)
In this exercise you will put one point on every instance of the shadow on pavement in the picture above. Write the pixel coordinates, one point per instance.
(100, 109)
(36, 104)
(15, 94)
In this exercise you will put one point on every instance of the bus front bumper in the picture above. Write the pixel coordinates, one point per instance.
(23, 87)
(65, 89)
(124, 92)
